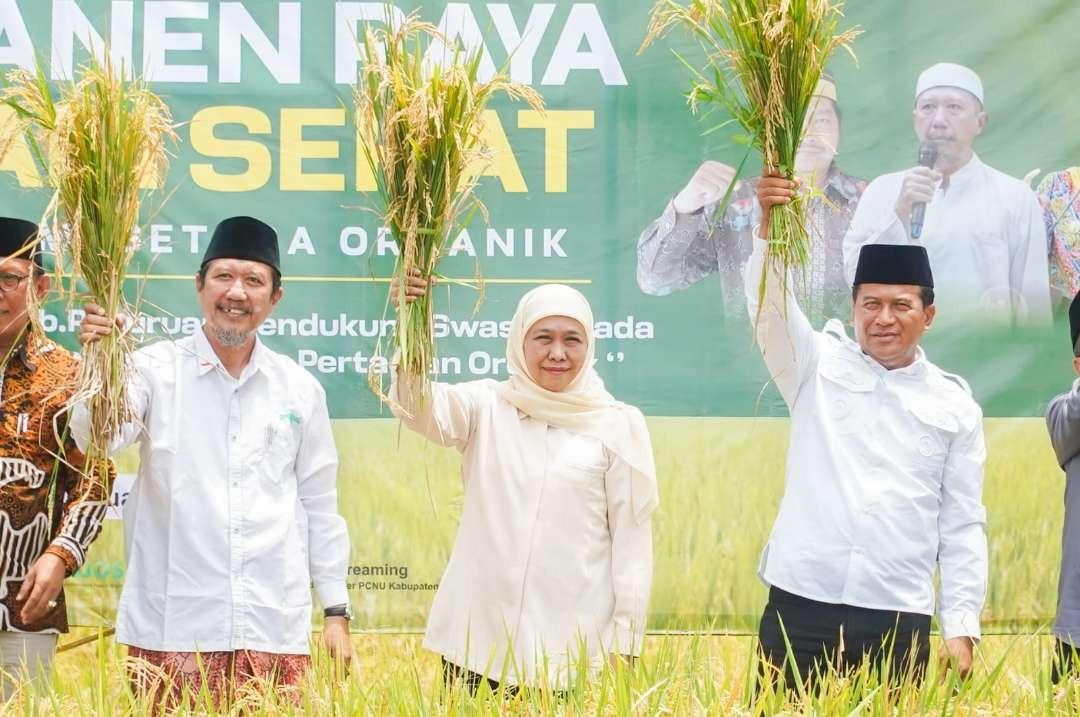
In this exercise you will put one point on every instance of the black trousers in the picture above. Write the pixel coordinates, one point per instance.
(1064, 661)
(827, 636)
(471, 680)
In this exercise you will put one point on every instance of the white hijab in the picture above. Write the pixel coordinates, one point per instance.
(584, 406)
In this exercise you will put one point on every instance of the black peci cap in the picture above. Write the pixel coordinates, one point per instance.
(244, 238)
(894, 264)
(18, 237)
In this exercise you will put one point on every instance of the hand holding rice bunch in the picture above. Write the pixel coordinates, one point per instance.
(763, 62)
(99, 142)
(423, 123)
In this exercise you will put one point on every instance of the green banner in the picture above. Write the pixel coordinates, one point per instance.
(263, 94)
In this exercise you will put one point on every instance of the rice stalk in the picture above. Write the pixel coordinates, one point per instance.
(763, 61)
(98, 140)
(676, 675)
(425, 121)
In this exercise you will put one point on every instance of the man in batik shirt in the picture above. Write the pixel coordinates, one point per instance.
(49, 511)
(687, 243)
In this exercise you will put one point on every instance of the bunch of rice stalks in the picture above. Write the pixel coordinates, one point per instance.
(763, 60)
(98, 141)
(424, 122)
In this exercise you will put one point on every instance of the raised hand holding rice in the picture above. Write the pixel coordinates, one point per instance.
(100, 141)
(424, 122)
(763, 61)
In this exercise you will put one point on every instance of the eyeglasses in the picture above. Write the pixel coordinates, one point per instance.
(10, 282)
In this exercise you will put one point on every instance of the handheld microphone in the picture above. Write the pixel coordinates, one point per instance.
(927, 158)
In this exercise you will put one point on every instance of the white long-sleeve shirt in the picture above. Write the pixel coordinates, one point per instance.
(985, 236)
(234, 511)
(548, 553)
(884, 473)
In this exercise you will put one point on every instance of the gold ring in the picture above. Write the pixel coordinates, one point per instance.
(52, 604)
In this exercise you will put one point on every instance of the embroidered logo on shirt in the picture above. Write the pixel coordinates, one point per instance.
(292, 417)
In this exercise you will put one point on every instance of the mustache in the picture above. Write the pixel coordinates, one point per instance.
(233, 307)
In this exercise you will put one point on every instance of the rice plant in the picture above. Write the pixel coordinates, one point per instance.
(676, 675)
(424, 124)
(763, 60)
(99, 140)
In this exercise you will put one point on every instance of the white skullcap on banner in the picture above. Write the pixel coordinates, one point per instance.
(949, 74)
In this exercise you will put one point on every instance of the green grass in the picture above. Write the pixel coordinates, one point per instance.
(677, 675)
(720, 484)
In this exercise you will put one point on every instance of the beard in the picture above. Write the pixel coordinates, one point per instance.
(230, 337)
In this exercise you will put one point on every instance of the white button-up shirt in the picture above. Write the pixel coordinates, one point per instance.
(548, 555)
(234, 512)
(985, 236)
(884, 473)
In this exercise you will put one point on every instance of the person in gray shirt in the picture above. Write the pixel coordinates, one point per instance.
(688, 243)
(1063, 422)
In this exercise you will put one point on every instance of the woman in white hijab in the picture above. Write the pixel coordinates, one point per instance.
(553, 555)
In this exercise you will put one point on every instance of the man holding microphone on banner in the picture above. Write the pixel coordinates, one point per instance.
(983, 229)
(50, 511)
(234, 513)
(884, 474)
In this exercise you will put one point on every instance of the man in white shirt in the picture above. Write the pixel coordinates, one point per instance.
(982, 228)
(884, 474)
(234, 513)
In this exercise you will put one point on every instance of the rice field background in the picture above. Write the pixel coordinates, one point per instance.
(677, 675)
(721, 480)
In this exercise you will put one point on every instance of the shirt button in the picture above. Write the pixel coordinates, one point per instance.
(233, 437)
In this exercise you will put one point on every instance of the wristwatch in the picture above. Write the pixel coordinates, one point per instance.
(344, 610)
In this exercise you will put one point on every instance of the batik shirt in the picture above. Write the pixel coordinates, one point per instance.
(1059, 195)
(37, 383)
(679, 250)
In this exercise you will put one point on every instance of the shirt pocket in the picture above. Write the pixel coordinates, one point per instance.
(846, 388)
(279, 440)
(581, 460)
(934, 429)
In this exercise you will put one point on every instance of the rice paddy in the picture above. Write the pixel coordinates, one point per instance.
(424, 116)
(720, 484)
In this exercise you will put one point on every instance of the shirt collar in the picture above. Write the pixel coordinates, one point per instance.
(30, 347)
(967, 173)
(915, 368)
(842, 185)
(207, 359)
